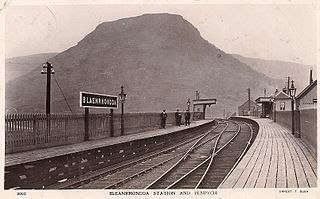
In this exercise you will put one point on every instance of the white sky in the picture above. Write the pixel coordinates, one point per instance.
(282, 32)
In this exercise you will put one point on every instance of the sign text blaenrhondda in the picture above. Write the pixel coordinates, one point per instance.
(95, 100)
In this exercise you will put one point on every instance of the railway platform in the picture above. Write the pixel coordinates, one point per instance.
(46, 153)
(60, 166)
(276, 159)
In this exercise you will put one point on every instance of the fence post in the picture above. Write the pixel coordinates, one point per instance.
(86, 124)
(34, 129)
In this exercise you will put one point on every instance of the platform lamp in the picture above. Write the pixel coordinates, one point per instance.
(292, 91)
(122, 97)
(188, 104)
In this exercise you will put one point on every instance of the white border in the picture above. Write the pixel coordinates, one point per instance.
(100, 95)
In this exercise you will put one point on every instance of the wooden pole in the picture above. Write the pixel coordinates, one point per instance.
(86, 124)
(111, 123)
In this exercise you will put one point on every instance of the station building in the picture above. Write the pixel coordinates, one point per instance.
(266, 106)
(282, 101)
(305, 114)
(306, 102)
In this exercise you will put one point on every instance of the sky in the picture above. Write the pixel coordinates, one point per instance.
(284, 32)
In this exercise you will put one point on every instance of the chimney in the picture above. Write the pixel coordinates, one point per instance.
(197, 95)
(311, 80)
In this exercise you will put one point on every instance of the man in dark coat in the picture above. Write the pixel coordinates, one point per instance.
(163, 119)
(178, 117)
(187, 117)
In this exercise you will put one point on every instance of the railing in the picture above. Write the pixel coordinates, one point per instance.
(32, 131)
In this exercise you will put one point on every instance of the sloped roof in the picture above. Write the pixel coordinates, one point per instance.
(307, 89)
(281, 95)
(246, 102)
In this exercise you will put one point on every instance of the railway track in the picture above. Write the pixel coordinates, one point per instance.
(134, 168)
(191, 171)
(223, 162)
(193, 157)
(203, 162)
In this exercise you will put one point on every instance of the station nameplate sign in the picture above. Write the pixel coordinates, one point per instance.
(264, 99)
(204, 101)
(95, 100)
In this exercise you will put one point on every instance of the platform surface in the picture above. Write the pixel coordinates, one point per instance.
(276, 159)
(39, 154)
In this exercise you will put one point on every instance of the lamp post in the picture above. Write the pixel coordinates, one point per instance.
(188, 104)
(122, 97)
(292, 91)
(49, 71)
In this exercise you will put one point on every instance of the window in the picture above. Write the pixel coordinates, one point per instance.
(282, 106)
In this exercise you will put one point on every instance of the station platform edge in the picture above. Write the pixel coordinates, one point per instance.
(40, 154)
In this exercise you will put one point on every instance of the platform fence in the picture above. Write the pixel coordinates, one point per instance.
(33, 131)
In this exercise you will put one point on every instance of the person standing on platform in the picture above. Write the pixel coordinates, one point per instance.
(178, 117)
(187, 117)
(163, 119)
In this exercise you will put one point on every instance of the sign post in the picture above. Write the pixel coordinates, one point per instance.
(86, 124)
(95, 100)
(111, 123)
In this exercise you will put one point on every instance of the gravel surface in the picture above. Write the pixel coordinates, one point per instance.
(144, 180)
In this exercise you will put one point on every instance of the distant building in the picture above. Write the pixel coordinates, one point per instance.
(244, 109)
(266, 105)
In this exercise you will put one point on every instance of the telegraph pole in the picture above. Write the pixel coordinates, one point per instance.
(122, 96)
(49, 71)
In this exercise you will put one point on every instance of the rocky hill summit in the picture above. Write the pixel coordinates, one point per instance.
(160, 59)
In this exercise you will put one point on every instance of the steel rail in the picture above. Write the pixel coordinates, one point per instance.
(160, 163)
(240, 157)
(154, 166)
(205, 161)
(214, 154)
(189, 173)
(141, 172)
(183, 157)
(104, 171)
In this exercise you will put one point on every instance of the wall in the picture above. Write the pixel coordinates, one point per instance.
(287, 104)
(308, 128)
(306, 102)
(284, 118)
(305, 124)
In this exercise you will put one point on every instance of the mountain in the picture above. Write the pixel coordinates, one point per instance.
(160, 59)
(18, 66)
(281, 70)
